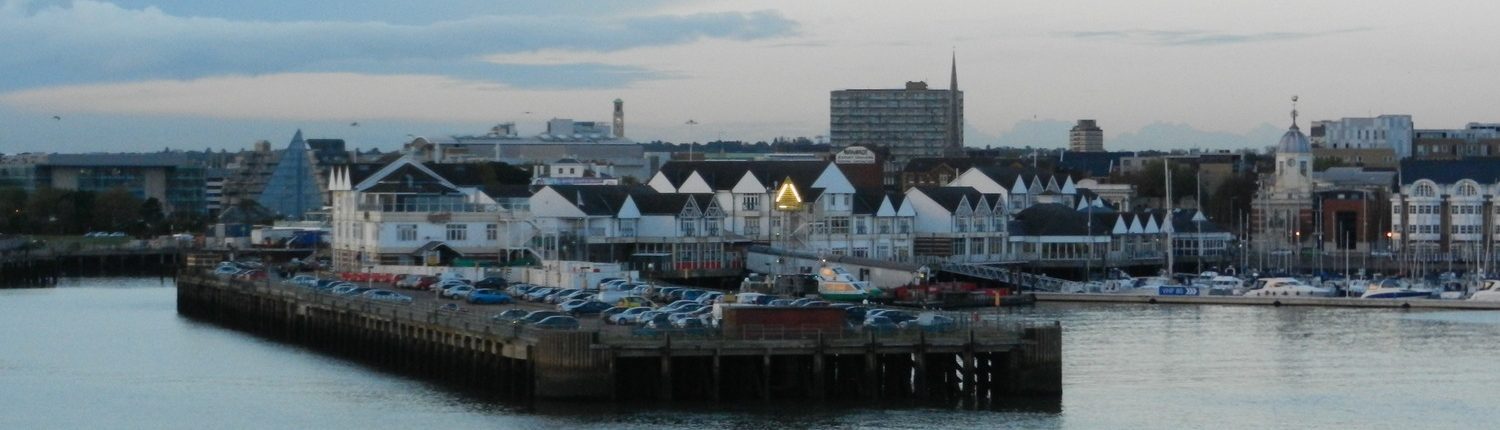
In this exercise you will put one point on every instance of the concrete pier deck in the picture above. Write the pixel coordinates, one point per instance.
(980, 362)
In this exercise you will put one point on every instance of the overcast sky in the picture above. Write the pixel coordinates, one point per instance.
(143, 75)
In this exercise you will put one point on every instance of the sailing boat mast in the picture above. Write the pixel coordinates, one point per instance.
(1167, 220)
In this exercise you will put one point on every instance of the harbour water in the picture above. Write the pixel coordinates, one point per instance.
(113, 353)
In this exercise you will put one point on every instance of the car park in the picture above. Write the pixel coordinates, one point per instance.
(632, 302)
(896, 317)
(815, 304)
(537, 294)
(387, 296)
(780, 302)
(350, 290)
(691, 326)
(647, 316)
(487, 296)
(710, 297)
(658, 321)
(302, 280)
(557, 322)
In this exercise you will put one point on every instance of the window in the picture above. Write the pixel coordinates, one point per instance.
(979, 224)
(882, 251)
(775, 224)
(859, 226)
(976, 246)
(752, 226)
(751, 203)
(903, 226)
(862, 252)
(458, 232)
(687, 227)
(1453, 209)
(491, 232)
(884, 225)
(1424, 190)
(958, 247)
(406, 232)
(711, 226)
(961, 224)
(1467, 190)
(839, 224)
(995, 246)
(627, 227)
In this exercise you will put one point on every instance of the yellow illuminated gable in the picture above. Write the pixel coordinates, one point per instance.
(787, 198)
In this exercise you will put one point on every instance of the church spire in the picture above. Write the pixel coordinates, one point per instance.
(1294, 111)
(953, 78)
(955, 110)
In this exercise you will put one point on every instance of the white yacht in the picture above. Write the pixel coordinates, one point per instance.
(1489, 291)
(1219, 285)
(1397, 288)
(1150, 286)
(1286, 287)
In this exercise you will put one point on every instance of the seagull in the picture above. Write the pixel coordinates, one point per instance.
(354, 124)
(56, 118)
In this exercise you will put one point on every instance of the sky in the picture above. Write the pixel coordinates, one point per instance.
(141, 75)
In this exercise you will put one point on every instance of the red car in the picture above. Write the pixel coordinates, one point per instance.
(426, 282)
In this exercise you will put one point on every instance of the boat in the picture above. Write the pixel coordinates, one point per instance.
(1152, 286)
(1489, 291)
(1286, 287)
(1219, 285)
(836, 284)
(1396, 288)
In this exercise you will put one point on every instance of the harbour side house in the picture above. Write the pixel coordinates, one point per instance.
(411, 213)
(799, 205)
(676, 235)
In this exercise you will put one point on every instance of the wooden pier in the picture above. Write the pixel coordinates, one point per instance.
(983, 364)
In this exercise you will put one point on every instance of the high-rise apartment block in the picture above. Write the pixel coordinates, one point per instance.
(908, 123)
(1086, 137)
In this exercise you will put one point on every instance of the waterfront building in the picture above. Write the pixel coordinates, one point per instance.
(936, 172)
(293, 188)
(588, 141)
(1282, 212)
(958, 224)
(909, 123)
(1474, 140)
(1446, 209)
(677, 235)
(1392, 132)
(1086, 137)
(411, 213)
(172, 178)
(831, 216)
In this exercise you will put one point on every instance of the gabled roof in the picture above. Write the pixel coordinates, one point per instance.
(951, 197)
(1182, 222)
(600, 200)
(668, 203)
(407, 178)
(1053, 219)
(868, 202)
(723, 175)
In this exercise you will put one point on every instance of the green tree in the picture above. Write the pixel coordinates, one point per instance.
(1150, 180)
(151, 218)
(12, 209)
(116, 210)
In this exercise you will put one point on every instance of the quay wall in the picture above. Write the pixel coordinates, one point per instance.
(1350, 302)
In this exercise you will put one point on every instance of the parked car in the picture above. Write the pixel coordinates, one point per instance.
(456, 292)
(930, 322)
(896, 317)
(490, 282)
(487, 296)
(643, 317)
(511, 315)
(519, 289)
(691, 326)
(350, 290)
(563, 296)
(425, 282)
(815, 304)
(693, 294)
(444, 285)
(225, 271)
(604, 281)
(584, 307)
(658, 321)
(710, 297)
(633, 302)
(852, 312)
(535, 316)
(408, 282)
(302, 280)
(557, 322)
(537, 294)
(387, 296)
(627, 316)
(879, 324)
(780, 302)
(665, 293)
(611, 311)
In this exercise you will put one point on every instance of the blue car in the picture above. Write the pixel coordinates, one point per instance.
(487, 296)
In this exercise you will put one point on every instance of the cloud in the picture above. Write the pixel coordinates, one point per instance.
(91, 41)
(1200, 38)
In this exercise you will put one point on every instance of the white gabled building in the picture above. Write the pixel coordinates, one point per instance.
(677, 234)
(411, 213)
(831, 217)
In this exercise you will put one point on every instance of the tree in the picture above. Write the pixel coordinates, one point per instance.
(151, 218)
(116, 210)
(12, 209)
(1149, 181)
(1323, 163)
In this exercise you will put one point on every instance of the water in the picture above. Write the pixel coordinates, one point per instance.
(113, 353)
